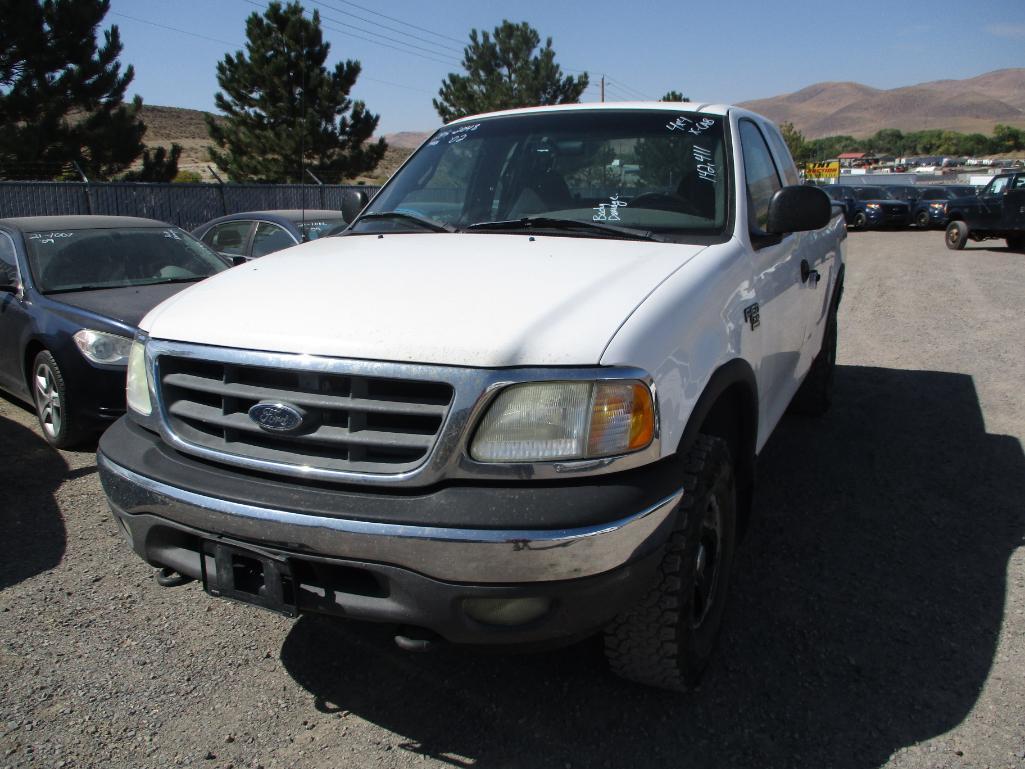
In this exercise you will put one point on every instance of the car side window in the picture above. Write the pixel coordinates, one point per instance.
(1019, 182)
(762, 177)
(786, 160)
(229, 238)
(270, 238)
(8, 261)
(996, 187)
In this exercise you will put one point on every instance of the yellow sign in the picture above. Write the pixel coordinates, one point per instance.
(828, 170)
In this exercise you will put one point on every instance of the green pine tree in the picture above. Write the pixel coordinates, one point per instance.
(505, 70)
(674, 96)
(62, 94)
(284, 111)
(158, 165)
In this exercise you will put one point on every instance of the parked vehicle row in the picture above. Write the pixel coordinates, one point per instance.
(901, 205)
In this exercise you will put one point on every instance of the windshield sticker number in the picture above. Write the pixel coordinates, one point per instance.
(171, 234)
(686, 124)
(608, 212)
(706, 168)
(49, 237)
(460, 134)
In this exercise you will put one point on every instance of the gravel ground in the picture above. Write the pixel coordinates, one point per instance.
(877, 616)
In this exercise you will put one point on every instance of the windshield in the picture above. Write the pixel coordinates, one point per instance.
(318, 228)
(873, 193)
(656, 171)
(73, 260)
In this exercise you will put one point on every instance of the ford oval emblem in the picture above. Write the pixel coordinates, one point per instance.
(277, 417)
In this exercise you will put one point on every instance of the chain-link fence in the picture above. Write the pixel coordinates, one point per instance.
(186, 205)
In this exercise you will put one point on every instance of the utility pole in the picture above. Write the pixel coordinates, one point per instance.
(603, 89)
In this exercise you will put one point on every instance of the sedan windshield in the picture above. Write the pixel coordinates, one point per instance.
(78, 260)
(873, 193)
(647, 174)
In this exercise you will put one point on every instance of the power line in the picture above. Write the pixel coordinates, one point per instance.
(383, 37)
(400, 21)
(630, 91)
(341, 31)
(385, 26)
(174, 29)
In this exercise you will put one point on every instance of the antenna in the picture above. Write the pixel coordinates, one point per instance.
(302, 132)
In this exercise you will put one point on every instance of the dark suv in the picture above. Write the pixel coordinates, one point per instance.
(938, 205)
(876, 207)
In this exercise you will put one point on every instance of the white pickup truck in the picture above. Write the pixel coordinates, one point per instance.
(519, 401)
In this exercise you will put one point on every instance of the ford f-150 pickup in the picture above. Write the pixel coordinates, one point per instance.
(519, 401)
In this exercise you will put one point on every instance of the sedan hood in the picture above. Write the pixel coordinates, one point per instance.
(487, 300)
(126, 304)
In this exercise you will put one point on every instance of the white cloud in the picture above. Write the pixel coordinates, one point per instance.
(1004, 29)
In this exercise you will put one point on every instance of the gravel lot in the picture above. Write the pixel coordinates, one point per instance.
(877, 616)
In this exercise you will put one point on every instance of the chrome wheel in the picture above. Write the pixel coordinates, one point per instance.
(706, 564)
(48, 401)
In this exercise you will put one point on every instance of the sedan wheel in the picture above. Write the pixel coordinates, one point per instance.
(51, 398)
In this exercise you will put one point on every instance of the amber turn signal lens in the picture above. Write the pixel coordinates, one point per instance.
(622, 418)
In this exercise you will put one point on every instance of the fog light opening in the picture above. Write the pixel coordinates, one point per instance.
(506, 611)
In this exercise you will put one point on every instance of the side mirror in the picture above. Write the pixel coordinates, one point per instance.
(798, 208)
(353, 201)
(238, 259)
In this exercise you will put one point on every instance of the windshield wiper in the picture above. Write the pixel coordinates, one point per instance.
(421, 220)
(552, 223)
(165, 281)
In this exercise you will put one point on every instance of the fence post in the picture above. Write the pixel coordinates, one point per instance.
(85, 181)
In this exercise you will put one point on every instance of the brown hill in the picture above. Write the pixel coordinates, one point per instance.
(971, 105)
(187, 127)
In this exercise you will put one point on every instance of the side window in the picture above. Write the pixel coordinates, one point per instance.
(762, 179)
(996, 187)
(786, 160)
(1019, 182)
(8, 261)
(229, 238)
(270, 238)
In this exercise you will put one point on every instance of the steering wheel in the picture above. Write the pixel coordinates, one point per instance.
(664, 201)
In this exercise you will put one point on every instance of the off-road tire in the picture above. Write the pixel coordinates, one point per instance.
(658, 642)
(53, 409)
(815, 395)
(922, 220)
(956, 235)
(1016, 242)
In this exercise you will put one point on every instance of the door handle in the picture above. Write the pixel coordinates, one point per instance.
(807, 273)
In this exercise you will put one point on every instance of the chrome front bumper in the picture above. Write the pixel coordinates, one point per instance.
(478, 556)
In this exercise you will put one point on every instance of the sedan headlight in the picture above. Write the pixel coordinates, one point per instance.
(100, 347)
(938, 206)
(565, 420)
(137, 387)
(871, 206)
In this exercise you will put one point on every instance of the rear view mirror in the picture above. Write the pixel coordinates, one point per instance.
(798, 208)
(353, 201)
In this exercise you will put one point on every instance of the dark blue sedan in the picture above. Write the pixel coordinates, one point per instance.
(73, 290)
(877, 207)
(251, 234)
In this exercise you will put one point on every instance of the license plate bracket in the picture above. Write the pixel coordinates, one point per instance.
(248, 576)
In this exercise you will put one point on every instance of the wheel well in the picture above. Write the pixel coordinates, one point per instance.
(31, 351)
(728, 409)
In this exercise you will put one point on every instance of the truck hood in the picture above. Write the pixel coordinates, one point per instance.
(487, 300)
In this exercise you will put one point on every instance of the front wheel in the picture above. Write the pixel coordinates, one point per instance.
(860, 220)
(957, 235)
(50, 394)
(922, 219)
(667, 639)
(1016, 242)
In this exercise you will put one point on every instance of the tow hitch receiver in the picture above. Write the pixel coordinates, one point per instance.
(248, 576)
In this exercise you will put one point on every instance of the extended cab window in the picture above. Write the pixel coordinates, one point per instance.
(762, 179)
(656, 171)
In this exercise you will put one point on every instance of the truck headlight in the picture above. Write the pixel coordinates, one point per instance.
(103, 348)
(137, 387)
(871, 206)
(565, 420)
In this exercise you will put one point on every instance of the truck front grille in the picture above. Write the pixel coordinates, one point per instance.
(353, 423)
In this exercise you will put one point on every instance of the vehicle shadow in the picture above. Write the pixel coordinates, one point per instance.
(33, 536)
(865, 614)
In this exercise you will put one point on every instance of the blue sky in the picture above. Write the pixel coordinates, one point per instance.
(727, 51)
